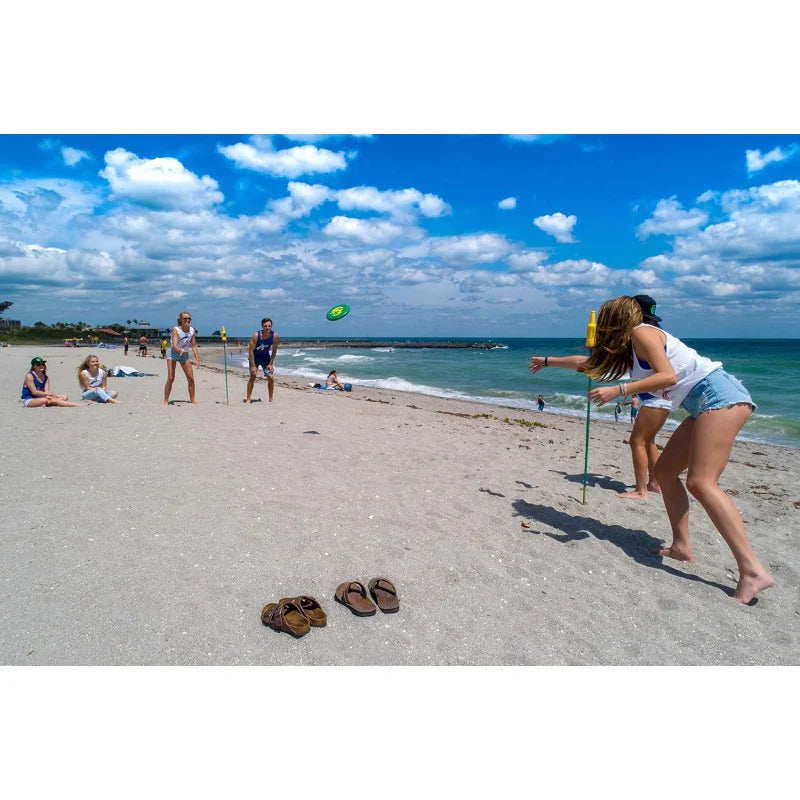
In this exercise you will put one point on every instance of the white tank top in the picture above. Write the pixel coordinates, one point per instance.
(185, 339)
(690, 368)
(95, 382)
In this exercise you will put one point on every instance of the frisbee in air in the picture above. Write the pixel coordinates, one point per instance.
(337, 312)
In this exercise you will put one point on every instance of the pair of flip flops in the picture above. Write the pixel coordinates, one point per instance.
(294, 615)
(353, 595)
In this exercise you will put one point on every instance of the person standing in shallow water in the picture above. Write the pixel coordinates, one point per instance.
(718, 407)
(262, 352)
(183, 338)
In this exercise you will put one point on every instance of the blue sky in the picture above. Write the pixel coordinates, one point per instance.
(430, 235)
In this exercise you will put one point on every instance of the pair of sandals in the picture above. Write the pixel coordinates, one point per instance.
(353, 595)
(294, 615)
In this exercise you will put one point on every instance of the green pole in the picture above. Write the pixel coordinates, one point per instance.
(591, 331)
(586, 456)
(225, 358)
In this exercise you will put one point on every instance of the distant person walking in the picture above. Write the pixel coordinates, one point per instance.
(718, 407)
(540, 402)
(183, 338)
(143, 345)
(163, 348)
(262, 351)
(125, 342)
(36, 388)
(92, 379)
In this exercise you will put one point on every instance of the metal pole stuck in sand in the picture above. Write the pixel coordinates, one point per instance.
(591, 331)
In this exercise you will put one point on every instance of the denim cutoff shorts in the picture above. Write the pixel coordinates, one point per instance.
(717, 390)
(172, 355)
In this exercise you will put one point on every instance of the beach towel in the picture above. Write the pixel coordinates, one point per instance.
(129, 372)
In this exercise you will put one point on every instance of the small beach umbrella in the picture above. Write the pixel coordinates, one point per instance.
(225, 359)
(591, 331)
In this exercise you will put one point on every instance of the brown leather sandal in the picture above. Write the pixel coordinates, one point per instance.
(286, 616)
(353, 595)
(384, 594)
(310, 608)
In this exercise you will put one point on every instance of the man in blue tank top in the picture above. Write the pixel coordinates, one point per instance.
(262, 352)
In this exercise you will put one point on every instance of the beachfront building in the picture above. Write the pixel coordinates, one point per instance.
(10, 323)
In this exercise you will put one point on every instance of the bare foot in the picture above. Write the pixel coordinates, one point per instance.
(166, 402)
(654, 488)
(634, 495)
(750, 585)
(675, 552)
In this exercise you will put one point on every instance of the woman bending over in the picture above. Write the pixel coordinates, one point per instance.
(718, 406)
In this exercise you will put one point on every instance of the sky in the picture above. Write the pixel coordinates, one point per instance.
(422, 235)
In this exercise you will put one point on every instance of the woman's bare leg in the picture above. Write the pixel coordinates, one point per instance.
(714, 432)
(644, 452)
(189, 372)
(672, 462)
(170, 380)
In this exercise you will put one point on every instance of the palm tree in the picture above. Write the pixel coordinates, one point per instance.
(129, 323)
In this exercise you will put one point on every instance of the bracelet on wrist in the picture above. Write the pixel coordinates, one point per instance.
(545, 360)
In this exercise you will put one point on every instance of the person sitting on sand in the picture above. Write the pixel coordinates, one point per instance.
(36, 388)
(183, 337)
(332, 381)
(718, 406)
(262, 352)
(92, 379)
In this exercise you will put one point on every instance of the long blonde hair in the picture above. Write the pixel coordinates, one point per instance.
(612, 355)
(85, 365)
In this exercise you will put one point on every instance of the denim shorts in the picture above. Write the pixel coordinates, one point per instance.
(653, 401)
(717, 390)
(172, 355)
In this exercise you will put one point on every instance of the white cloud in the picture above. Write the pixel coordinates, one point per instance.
(171, 296)
(222, 291)
(288, 163)
(372, 231)
(394, 202)
(72, 156)
(525, 260)
(482, 248)
(756, 161)
(536, 138)
(272, 294)
(557, 225)
(508, 203)
(160, 183)
(669, 217)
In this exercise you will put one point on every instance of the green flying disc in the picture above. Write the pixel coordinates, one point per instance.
(337, 312)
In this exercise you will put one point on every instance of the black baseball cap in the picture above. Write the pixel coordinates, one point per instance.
(36, 361)
(648, 306)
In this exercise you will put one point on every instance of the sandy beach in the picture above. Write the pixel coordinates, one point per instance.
(140, 534)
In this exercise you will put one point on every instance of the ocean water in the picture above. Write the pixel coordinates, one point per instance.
(769, 368)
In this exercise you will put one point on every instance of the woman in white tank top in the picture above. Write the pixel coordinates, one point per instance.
(718, 405)
(183, 337)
